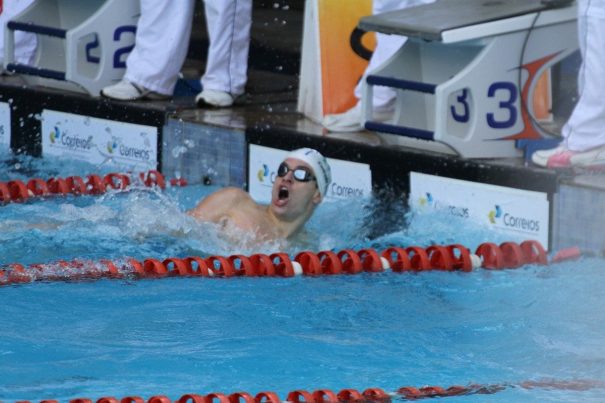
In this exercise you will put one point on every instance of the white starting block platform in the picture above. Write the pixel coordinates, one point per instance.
(466, 76)
(82, 45)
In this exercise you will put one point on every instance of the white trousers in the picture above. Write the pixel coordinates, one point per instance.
(228, 24)
(585, 128)
(386, 46)
(161, 44)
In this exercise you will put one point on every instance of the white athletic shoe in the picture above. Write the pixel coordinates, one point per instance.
(127, 91)
(217, 99)
(591, 159)
(541, 157)
(562, 157)
(351, 120)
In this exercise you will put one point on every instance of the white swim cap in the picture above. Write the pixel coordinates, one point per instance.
(319, 165)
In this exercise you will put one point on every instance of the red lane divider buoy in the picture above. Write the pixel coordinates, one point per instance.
(95, 185)
(462, 259)
(299, 396)
(241, 397)
(330, 263)
(310, 263)
(398, 259)
(413, 258)
(324, 396)
(350, 261)
(418, 258)
(534, 252)
(17, 191)
(491, 255)
(370, 395)
(116, 181)
(567, 254)
(38, 187)
(5, 195)
(440, 258)
(58, 186)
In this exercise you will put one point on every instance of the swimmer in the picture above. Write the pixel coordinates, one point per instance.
(300, 185)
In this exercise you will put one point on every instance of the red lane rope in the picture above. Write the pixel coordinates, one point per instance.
(376, 395)
(397, 259)
(17, 191)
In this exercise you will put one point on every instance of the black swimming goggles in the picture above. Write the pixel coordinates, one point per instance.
(301, 174)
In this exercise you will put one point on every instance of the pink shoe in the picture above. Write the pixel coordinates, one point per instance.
(589, 159)
(541, 157)
(561, 159)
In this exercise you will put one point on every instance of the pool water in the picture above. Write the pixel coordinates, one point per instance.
(197, 335)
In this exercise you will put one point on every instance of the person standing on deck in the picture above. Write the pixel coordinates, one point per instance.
(583, 144)
(161, 44)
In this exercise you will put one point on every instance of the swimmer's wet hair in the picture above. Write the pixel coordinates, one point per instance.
(319, 165)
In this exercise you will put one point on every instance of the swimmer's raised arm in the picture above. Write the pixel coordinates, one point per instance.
(218, 205)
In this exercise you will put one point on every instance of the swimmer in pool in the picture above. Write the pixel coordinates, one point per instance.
(300, 185)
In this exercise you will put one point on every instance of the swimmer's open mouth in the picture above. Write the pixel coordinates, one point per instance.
(283, 193)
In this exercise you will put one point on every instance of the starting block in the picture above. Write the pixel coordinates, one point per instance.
(82, 45)
(467, 74)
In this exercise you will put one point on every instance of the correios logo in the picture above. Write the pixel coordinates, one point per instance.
(72, 142)
(115, 145)
(111, 146)
(495, 213)
(133, 152)
(524, 224)
(344, 191)
(55, 135)
(265, 176)
(455, 210)
(426, 200)
(262, 173)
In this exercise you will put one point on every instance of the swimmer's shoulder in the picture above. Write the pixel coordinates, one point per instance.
(219, 203)
(234, 196)
(234, 193)
(228, 197)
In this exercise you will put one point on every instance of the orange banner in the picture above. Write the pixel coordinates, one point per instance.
(542, 102)
(341, 66)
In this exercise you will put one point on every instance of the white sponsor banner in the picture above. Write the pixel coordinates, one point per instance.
(522, 213)
(119, 144)
(5, 126)
(349, 179)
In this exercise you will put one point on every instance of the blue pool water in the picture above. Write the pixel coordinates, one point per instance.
(183, 335)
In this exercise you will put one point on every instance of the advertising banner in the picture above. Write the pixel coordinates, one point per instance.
(332, 62)
(349, 179)
(5, 126)
(522, 213)
(99, 141)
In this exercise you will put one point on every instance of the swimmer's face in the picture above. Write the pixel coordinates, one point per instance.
(290, 197)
